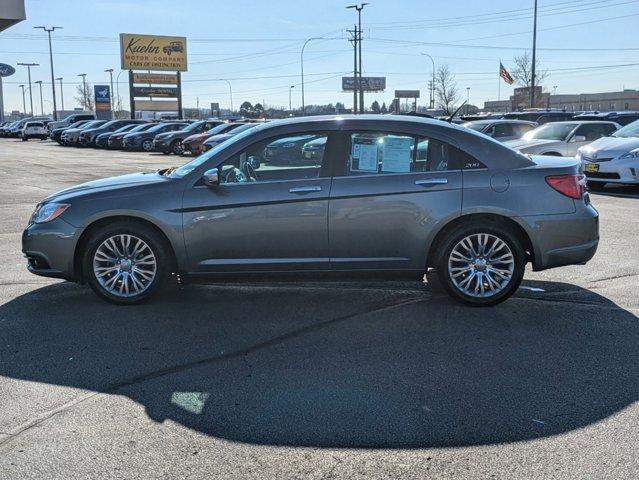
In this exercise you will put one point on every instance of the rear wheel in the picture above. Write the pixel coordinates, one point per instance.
(481, 265)
(126, 263)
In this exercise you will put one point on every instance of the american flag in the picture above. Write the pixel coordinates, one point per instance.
(503, 73)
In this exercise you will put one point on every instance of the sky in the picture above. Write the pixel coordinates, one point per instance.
(586, 46)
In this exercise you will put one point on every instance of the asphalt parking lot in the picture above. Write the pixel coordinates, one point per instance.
(313, 380)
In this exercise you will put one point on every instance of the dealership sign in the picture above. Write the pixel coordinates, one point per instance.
(156, 105)
(6, 70)
(369, 84)
(152, 52)
(156, 78)
(406, 93)
(155, 92)
(102, 95)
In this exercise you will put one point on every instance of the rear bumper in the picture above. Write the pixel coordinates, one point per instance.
(559, 240)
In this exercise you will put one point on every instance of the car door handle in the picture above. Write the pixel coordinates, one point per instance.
(429, 182)
(302, 190)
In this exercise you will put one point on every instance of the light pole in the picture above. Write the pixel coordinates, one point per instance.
(110, 70)
(432, 85)
(49, 30)
(84, 90)
(61, 94)
(302, 65)
(29, 65)
(230, 91)
(24, 104)
(39, 82)
(359, 9)
(117, 85)
(534, 57)
(290, 104)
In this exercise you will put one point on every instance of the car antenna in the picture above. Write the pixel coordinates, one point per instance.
(450, 119)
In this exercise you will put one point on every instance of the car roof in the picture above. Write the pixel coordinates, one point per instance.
(502, 120)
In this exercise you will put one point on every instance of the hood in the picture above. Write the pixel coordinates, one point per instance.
(107, 184)
(526, 144)
(161, 136)
(606, 147)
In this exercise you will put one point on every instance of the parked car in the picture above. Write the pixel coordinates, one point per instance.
(71, 119)
(613, 159)
(143, 140)
(314, 149)
(622, 118)
(115, 139)
(384, 210)
(71, 136)
(540, 116)
(4, 130)
(562, 138)
(102, 140)
(88, 135)
(15, 130)
(194, 144)
(56, 133)
(33, 130)
(287, 150)
(215, 140)
(171, 142)
(502, 130)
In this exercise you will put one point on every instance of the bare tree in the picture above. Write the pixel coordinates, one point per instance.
(84, 97)
(523, 70)
(446, 89)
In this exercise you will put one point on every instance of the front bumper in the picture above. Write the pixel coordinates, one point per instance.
(613, 171)
(50, 247)
(559, 240)
(161, 146)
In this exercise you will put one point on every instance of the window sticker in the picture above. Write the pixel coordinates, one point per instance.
(397, 154)
(364, 156)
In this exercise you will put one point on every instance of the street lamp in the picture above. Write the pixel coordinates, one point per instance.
(49, 30)
(110, 71)
(29, 65)
(84, 89)
(24, 104)
(61, 94)
(39, 82)
(359, 9)
(432, 85)
(230, 90)
(302, 64)
(467, 99)
(117, 85)
(290, 104)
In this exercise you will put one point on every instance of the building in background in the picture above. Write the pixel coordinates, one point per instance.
(11, 12)
(627, 99)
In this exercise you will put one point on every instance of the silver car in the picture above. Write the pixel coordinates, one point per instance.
(389, 195)
(502, 130)
(562, 139)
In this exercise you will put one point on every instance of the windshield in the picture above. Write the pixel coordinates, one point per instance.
(192, 126)
(221, 128)
(124, 129)
(478, 126)
(158, 127)
(187, 168)
(77, 124)
(140, 128)
(630, 130)
(95, 123)
(551, 131)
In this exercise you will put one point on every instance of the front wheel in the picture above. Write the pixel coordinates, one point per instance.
(126, 263)
(481, 265)
(177, 148)
(147, 145)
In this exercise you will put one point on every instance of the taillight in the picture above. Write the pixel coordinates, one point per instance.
(573, 186)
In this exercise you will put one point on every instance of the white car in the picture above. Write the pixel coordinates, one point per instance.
(613, 159)
(562, 139)
(33, 130)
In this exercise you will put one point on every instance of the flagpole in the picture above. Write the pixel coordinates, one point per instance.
(499, 82)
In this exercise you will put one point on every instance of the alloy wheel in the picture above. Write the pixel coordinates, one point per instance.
(481, 265)
(147, 145)
(124, 265)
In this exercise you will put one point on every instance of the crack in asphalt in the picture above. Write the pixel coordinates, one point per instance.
(615, 277)
(112, 388)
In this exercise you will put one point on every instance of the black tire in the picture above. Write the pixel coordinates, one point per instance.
(25, 139)
(596, 185)
(176, 147)
(155, 241)
(454, 236)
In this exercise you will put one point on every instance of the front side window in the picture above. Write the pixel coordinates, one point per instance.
(286, 157)
(591, 131)
(551, 131)
(378, 153)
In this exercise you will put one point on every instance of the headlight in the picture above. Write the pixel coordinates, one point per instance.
(48, 211)
(631, 154)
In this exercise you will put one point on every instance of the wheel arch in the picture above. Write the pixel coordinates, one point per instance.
(101, 222)
(489, 218)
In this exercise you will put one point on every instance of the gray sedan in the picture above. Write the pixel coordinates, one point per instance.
(388, 195)
(502, 130)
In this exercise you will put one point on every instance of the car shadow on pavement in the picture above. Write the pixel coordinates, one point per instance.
(337, 365)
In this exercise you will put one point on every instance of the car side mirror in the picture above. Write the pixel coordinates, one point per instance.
(578, 138)
(211, 178)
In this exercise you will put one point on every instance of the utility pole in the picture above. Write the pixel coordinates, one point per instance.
(467, 99)
(39, 82)
(290, 103)
(110, 71)
(358, 35)
(353, 40)
(534, 58)
(49, 30)
(84, 90)
(24, 104)
(29, 65)
(432, 83)
(302, 65)
(61, 93)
